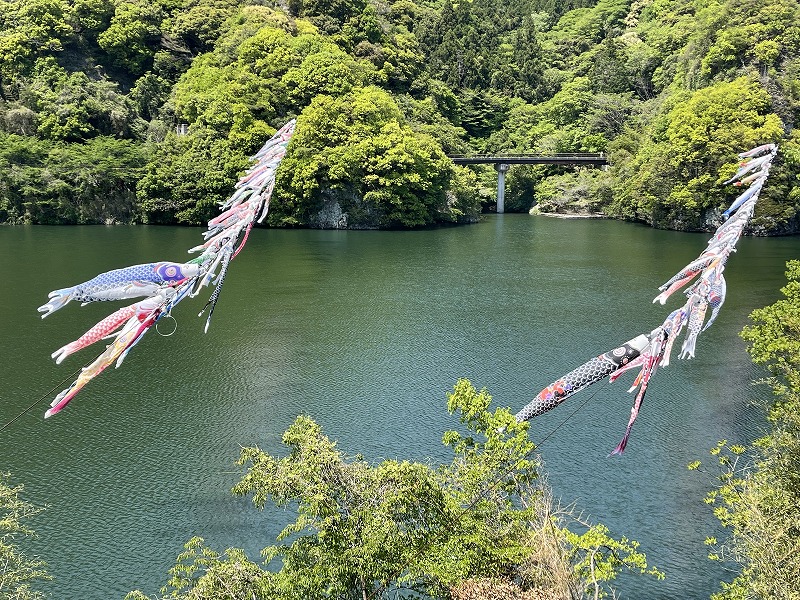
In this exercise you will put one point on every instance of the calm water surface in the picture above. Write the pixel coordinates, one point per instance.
(365, 332)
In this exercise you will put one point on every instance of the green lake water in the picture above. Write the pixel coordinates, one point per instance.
(366, 331)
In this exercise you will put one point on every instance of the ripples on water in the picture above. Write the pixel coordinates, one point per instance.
(366, 332)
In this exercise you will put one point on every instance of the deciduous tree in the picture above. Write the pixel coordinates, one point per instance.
(18, 571)
(481, 522)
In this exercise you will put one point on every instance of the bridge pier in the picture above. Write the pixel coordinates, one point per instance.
(502, 162)
(501, 186)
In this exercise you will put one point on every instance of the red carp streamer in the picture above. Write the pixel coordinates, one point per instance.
(165, 284)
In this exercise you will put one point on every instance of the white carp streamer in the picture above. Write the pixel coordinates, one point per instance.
(165, 284)
(649, 351)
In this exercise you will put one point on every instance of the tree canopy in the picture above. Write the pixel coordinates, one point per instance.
(670, 90)
(18, 571)
(482, 524)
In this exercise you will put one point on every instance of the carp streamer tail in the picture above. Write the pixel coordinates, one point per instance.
(164, 284)
(706, 289)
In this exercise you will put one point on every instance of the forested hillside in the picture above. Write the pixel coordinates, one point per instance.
(93, 94)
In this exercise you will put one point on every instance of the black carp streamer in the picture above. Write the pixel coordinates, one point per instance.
(707, 290)
(164, 284)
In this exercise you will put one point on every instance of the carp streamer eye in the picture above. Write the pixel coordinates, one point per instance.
(164, 284)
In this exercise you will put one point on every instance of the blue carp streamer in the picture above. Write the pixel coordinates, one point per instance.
(706, 289)
(164, 284)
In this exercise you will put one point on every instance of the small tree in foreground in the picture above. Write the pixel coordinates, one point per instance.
(760, 502)
(17, 571)
(482, 526)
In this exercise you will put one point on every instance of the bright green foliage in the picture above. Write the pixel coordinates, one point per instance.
(759, 501)
(362, 531)
(88, 17)
(186, 177)
(573, 120)
(672, 89)
(201, 23)
(17, 570)
(677, 174)
(758, 31)
(580, 30)
(29, 29)
(774, 337)
(133, 35)
(597, 558)
(208, 576)
(399, 59)
(228, 97)
(355, 151)
(278, 66)
(71, 107)
(425, 116)
(329, 72)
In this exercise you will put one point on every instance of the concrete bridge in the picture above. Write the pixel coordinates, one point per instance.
(502, 162)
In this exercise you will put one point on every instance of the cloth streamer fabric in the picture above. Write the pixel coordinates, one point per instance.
(164, 284)
(707, 290)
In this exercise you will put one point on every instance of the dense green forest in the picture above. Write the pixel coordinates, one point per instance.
(93, 93)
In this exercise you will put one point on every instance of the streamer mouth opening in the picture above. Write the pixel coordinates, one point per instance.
(174, 325)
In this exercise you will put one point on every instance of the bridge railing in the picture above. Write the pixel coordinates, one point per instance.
(573, 158)
(502, 162)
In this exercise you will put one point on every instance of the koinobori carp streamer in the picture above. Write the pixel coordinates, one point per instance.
(164, 284)
(707, 290)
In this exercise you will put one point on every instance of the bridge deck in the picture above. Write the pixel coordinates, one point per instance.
(531, 159)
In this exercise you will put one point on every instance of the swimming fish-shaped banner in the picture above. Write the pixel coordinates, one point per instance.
(164, 284)
(706, 289)
(588, 373)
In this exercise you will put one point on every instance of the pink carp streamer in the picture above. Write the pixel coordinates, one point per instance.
(707, 290)
(164, 284)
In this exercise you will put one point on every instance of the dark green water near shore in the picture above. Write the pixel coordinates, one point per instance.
(366, 332)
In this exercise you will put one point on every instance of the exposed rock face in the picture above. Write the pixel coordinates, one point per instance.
(760, 226)
(330, 217)
(343, 210)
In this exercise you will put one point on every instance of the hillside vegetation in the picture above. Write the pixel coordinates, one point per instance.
(92, 93)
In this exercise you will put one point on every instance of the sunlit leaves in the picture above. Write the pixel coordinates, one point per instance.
(17, 570)
(72, 107)
(330, 72)
(758, 500)
(598, 557)
(200, 24)
(774, 337)
(29, 29)
(675, 179)
(133, 34)
(480, 523)
(357, 148)
(657, 83)
(188, 175)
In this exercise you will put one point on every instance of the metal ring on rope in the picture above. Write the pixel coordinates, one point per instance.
(174, 329)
